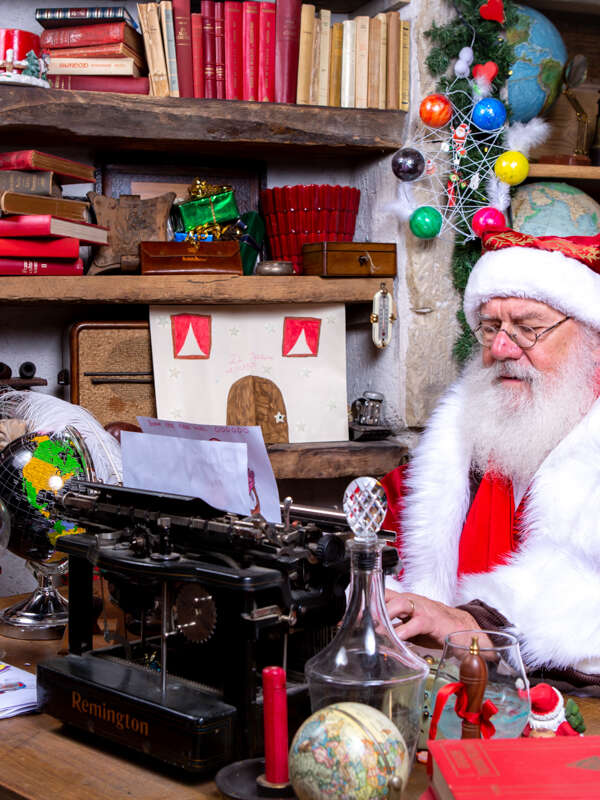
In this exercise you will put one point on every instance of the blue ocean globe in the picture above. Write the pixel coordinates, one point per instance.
(536, 79)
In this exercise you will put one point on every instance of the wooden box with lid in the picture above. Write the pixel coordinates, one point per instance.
(350, 259)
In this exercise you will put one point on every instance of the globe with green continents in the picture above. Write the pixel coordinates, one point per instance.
(554, 209)
(540, 56)
(32, 468)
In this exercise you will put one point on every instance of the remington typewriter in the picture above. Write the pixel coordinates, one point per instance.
(208, 600)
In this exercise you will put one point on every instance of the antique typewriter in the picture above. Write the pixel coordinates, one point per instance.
(207, 600)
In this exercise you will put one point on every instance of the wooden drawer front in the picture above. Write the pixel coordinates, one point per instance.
(350, 259)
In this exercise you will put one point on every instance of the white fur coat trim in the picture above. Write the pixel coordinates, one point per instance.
(550, 588)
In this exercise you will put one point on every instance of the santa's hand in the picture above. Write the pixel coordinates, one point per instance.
(415, 616)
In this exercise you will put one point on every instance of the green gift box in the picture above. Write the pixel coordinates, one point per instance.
(208, 210)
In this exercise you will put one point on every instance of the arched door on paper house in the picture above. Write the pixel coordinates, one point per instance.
(258, 401)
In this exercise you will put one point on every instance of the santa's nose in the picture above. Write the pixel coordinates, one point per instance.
(504, 348)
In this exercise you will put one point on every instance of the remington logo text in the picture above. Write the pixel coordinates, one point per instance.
(119, 719)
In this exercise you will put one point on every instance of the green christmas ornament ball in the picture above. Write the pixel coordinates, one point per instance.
(425, 222)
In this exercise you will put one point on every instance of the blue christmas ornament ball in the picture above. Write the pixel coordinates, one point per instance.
(489, 114)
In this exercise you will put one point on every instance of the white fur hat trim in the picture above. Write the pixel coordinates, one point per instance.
(566, 284)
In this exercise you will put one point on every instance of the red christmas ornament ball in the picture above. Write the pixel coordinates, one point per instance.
(435, 110)
(487, 219)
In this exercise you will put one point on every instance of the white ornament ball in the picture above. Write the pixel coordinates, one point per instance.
(462, 69)
(466, 54)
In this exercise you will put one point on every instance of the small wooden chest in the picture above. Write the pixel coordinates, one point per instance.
(350, 259)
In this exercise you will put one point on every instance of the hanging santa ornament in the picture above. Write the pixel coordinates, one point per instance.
(487, 219)
(435, 110)
(408, 164)
(511, 167)
(489, 114)
(425, 222)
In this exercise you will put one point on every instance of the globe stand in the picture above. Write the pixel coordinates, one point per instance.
(245, 780)
(42, 615)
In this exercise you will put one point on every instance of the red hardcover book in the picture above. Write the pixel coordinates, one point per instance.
(287, 43)
(197, 56)
(266, 50)
(37, 225)
(64, 169)
(182, 24)
(26, 266)
(207, 8)
(558, 768)
(101, 83)
(250, 10)
(40, 248)
(220, 49)
(112, 50)
(233, 50)
(87, 35)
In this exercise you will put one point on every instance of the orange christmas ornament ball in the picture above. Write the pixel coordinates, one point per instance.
(435, 110)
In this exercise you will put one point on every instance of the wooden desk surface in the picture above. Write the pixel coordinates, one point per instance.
(41, 759)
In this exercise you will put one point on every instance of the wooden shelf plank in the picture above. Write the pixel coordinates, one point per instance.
(339, 459)
(564, 172)
(187, 289)
(105, 120)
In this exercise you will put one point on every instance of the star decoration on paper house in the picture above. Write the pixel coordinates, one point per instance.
(174, 373)
(279, 417)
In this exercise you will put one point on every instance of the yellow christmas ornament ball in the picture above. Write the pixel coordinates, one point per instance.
(511, 167)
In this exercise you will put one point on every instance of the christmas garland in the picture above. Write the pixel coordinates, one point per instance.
(470, 29)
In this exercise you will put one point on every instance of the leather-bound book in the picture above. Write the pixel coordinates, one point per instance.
(42, 266)
(64, 169)
(287, 41)
(197, 55)
(207, 9)
(381, 100)
(335, 64)
(266, 50)
(15, 180)
(16, 203)
(393, 61)
(111, 50)
(183, 46)
(220, 49)
(87, 35)
(250, 32)
(374, 63)
(101, 83)
(233, 50)
(64, 247)
(405, 69)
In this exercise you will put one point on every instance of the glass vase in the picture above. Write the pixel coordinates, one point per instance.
(366, 662)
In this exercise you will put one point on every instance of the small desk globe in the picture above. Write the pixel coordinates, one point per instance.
(33, 468)
(348, 750)
(553, 208)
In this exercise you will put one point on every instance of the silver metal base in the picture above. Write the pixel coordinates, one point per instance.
(42, 615)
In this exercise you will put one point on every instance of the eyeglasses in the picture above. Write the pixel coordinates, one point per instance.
(522, 335)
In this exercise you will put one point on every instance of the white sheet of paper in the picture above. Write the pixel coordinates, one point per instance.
(215, 471)
(265, 492)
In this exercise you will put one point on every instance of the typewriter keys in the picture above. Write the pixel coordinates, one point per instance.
(195, 613)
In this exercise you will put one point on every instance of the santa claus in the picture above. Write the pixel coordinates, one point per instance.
(498, 513)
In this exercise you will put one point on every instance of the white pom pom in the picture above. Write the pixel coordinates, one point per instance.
(405, 203)
(498, 193)
(461, 69)
(523, 136)
(466, 54)
(482, 87)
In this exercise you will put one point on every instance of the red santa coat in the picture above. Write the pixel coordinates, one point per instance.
(549, 588)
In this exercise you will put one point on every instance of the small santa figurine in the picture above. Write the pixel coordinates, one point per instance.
(549, 716)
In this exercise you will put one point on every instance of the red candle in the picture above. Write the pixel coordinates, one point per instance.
(276, 725)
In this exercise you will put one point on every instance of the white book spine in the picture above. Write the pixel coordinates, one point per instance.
(168, 33)
(324, 54)
(348, 63)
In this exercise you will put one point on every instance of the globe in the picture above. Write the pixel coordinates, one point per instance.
(347, 750)
(29, 467)
(536, 78)
(551, 208)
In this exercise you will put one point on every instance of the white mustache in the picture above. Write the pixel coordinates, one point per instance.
(512, 369)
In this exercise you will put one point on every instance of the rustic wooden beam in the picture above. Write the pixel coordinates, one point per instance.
(339, 459)
(105, 120)
(186, 290)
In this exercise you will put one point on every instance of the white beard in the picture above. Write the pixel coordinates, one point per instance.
(513, 428)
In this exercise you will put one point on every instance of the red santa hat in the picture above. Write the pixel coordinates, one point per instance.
(563, 272)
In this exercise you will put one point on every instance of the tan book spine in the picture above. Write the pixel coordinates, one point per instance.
(361, 81)
(155, 56)
(16, 203)
(315, 64)
(307, 31)
(392, 102)
(405, 73)
(324, 56)
(348, 63)
(374, 63)
(335, 64)
(381, 97)
(168, 39)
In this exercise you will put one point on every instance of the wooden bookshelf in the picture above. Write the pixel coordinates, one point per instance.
(105, 121)
(564, 172)
(188, 289)
(339, 459)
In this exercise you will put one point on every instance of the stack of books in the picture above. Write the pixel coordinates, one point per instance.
(359, 63)
(96, 49)
(40, 230)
